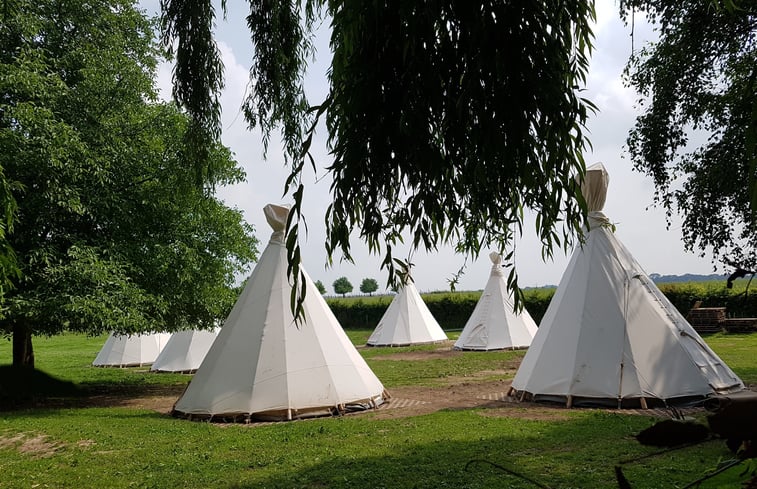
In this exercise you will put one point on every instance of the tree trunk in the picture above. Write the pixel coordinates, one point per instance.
(23, 353)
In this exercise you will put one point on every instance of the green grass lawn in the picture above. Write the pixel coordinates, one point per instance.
(103, 447)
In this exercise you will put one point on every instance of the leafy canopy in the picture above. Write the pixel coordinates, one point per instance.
(446, 119)
(342, 286)
(368, 286)
(113, 233)
(700, 78)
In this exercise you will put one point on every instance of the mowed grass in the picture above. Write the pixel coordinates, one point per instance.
(129, 447)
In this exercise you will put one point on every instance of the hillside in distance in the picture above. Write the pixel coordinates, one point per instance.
(687, 277)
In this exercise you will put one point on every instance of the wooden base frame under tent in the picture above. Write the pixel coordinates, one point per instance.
(287, 414)
(570, 401)
(509, 348)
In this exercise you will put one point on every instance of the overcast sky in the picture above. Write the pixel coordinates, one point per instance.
(639, 226)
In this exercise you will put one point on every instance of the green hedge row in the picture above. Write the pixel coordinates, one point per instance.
(452, 309)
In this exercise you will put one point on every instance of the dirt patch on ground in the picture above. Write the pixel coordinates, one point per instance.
(485, 390)
(160, 398)
(440, 353)
(490, 396)
(36, 445)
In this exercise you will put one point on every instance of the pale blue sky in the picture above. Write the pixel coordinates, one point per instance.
(641, 228)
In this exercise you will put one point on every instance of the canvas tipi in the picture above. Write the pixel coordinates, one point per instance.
(130, 350)
(264, 365)
(184, 351)
(407, 321)
(610, 336)
(494, 324)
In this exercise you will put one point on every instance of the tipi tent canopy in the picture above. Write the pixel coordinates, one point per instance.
(494, 325)
(264, 365)
(407, 321)
(184, 351)
(130, 350)
(610, 336)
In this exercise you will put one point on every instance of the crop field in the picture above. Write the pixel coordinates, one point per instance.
(447, 424)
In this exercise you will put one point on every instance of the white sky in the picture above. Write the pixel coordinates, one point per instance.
(641, 228)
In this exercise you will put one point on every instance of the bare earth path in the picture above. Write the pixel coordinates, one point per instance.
(477, 391)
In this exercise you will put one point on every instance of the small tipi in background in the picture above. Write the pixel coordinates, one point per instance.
(610, 336)
(407, 321)
(185, 351)
(264, 365)
(494, 324)
(131, 350)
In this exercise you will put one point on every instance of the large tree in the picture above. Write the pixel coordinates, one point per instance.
(697, 135)
(446, 119)
(113, 233)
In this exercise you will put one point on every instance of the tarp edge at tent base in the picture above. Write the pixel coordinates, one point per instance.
(471, 348)
(123, 365)
(286, 414)
(635, 402)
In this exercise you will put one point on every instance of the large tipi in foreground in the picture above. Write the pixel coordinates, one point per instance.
(263, 365)
(407, 321)
(494, 324)
(185, 351)
(610, 336)
(131, 350)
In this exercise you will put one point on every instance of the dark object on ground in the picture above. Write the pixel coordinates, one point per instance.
(734, 417)
(671, 432)
(622, 481)
(21, 385)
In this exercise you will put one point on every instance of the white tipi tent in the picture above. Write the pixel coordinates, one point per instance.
(184, 351)
(263, 365)
(610, 336)
(130, 350)
(494, 325)
(407, 321)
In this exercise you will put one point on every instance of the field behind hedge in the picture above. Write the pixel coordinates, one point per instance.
(452, 309)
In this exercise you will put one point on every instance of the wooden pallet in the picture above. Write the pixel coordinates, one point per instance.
(707, 319)
(740, 325)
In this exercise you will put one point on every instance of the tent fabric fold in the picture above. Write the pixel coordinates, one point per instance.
(609, 336)
(184, 351)
(407, 321)
(265, 366)
(494, 324)
(131, 350)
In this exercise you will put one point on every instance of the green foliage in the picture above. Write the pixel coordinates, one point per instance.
(198, 77)
(113, 233)
(701, 75)
(737, 301)
(321, 288)
(446, 120)
(359, 312)
(368, 286)
(452, 309)
(342, 286)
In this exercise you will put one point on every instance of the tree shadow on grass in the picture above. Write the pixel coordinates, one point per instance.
(24, 389)
(578, 452)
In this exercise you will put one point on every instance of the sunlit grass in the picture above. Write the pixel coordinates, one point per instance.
(122, 447)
